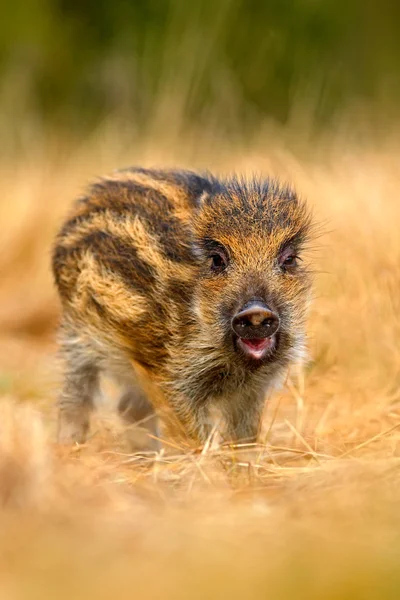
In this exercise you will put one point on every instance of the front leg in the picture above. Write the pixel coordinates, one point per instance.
(182, 419)
(243, 418)
(185, 422)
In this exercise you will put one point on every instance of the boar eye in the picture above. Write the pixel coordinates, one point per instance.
(218, 262)
(288, 261)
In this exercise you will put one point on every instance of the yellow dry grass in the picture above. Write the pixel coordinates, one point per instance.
(310, 514)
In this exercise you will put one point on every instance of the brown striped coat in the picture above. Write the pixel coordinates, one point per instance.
(157, 273)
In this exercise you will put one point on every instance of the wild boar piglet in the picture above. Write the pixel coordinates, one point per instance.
(187, 288)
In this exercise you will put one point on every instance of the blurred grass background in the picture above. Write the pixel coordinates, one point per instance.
(68, 66)
(307, 90)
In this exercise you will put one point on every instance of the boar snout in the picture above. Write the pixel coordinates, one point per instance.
(255, 320)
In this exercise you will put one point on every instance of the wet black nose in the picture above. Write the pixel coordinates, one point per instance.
(255, 320)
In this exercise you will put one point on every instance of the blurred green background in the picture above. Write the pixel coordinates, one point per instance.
(71, 64)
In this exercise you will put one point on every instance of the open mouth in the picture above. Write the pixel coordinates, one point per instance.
(257, 348)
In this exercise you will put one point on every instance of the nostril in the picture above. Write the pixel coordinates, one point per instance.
(270, 322)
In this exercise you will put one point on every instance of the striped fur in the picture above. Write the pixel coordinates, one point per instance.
(132, 266)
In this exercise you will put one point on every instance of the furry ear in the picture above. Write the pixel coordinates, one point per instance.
(202, 199)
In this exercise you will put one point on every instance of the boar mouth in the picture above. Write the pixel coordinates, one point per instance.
(257, 348)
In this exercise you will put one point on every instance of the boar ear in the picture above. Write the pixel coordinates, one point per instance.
(202, 199)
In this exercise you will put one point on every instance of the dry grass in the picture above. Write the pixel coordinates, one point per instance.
(311, 514)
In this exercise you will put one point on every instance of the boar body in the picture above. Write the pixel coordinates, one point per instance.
(189, 290)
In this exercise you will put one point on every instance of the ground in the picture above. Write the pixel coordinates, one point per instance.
(310, 513)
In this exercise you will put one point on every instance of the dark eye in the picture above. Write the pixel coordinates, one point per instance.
(288, 261)
(218, 262)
